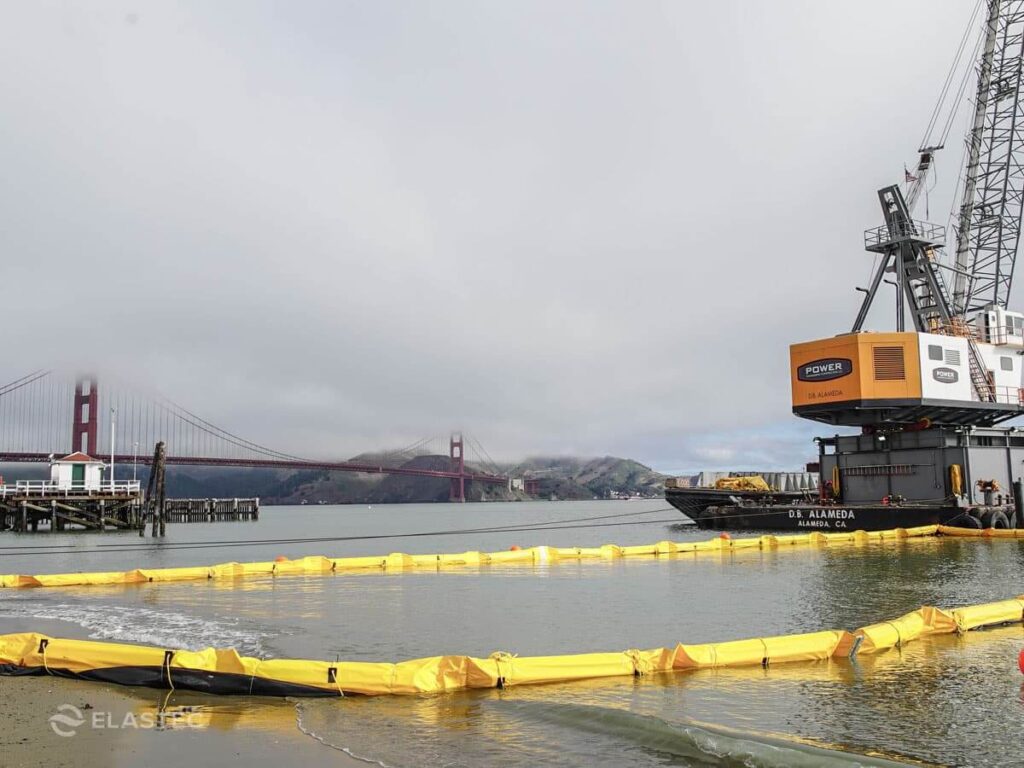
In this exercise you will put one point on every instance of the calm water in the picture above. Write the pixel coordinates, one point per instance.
(946, 700)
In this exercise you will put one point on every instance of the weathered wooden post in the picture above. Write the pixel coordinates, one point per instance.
(161, 485)
(156, 493)
(147, 505)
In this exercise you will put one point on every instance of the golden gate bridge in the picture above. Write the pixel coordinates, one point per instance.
(45, 414)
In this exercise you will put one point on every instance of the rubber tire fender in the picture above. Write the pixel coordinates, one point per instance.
(965, 520)
(994, 518)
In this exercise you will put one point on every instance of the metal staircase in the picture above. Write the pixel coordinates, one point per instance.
(979, 376)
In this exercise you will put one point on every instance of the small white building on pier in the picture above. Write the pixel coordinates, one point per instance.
(76, 471)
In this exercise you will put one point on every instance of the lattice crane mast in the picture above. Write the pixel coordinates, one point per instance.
(962, 363)
(988, 226)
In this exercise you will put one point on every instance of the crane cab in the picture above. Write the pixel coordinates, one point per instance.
(996, 325)
(901, 378)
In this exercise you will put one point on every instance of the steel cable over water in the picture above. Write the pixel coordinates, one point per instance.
(67, 549)
(549, 525)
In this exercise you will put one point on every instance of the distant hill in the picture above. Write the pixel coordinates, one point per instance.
(599, 478)
(555, 477)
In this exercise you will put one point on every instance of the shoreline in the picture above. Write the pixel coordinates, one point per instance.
(145, 726)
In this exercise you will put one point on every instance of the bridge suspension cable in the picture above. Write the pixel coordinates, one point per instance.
(483, 457)
(44, 413)
(24, 381)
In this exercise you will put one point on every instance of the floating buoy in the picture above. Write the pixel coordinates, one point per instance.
(514, 548)
(280, 559)
(1020, 662)
(724, 535)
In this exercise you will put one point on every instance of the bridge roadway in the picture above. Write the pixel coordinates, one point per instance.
(332, 466)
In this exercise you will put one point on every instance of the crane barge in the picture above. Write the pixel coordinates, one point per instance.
(931, 395)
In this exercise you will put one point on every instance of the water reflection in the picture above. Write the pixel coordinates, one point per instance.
(945, 699)
(939, 699)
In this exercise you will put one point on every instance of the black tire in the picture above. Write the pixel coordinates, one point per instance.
(994, 518)
(1012, 517)
(965, 520)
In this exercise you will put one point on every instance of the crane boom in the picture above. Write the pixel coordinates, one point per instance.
(958, 359)
(928, 394)
(988, 228)
(919, 179)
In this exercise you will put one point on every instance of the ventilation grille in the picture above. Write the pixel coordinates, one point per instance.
(952, 357)
(889, 364)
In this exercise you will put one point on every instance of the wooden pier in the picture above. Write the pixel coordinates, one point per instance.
(118, 510)
(34, 506)
(76, 496)
(210, 510)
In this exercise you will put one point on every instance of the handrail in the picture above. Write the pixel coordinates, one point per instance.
(1000, 334)
(911, 229)
(50, 488)
(1008, 395)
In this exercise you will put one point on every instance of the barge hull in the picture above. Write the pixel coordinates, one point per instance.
(693, 502)
(806, 518)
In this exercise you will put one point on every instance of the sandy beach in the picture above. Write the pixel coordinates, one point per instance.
(140, 726)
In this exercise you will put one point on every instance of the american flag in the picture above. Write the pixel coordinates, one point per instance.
(908, 176)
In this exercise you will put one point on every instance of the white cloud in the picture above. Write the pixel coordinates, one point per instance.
(335, 226)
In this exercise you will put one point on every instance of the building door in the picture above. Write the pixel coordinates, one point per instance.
(78, 475)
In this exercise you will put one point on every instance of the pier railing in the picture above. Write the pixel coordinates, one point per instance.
(49, 488)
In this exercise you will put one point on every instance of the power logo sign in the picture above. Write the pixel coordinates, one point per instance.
(825, 369)
(945, 375)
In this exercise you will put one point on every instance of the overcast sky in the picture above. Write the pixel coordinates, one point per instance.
(565, 227)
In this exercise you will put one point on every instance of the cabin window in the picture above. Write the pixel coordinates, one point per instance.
(935, 352)
(1006, 363)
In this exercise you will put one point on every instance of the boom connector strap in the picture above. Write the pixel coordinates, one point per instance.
(168, 656)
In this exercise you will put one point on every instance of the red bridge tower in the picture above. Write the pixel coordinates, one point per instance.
(87, 407)
(458, 492)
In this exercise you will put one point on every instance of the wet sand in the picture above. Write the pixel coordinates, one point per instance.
(123, 726)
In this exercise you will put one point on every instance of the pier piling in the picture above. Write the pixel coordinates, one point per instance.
(210, 510)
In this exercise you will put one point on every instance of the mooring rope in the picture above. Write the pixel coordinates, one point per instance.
(551, 525)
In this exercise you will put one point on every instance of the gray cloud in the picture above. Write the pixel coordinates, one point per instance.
(571, 227)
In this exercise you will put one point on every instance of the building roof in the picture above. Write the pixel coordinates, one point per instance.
(79, 458)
